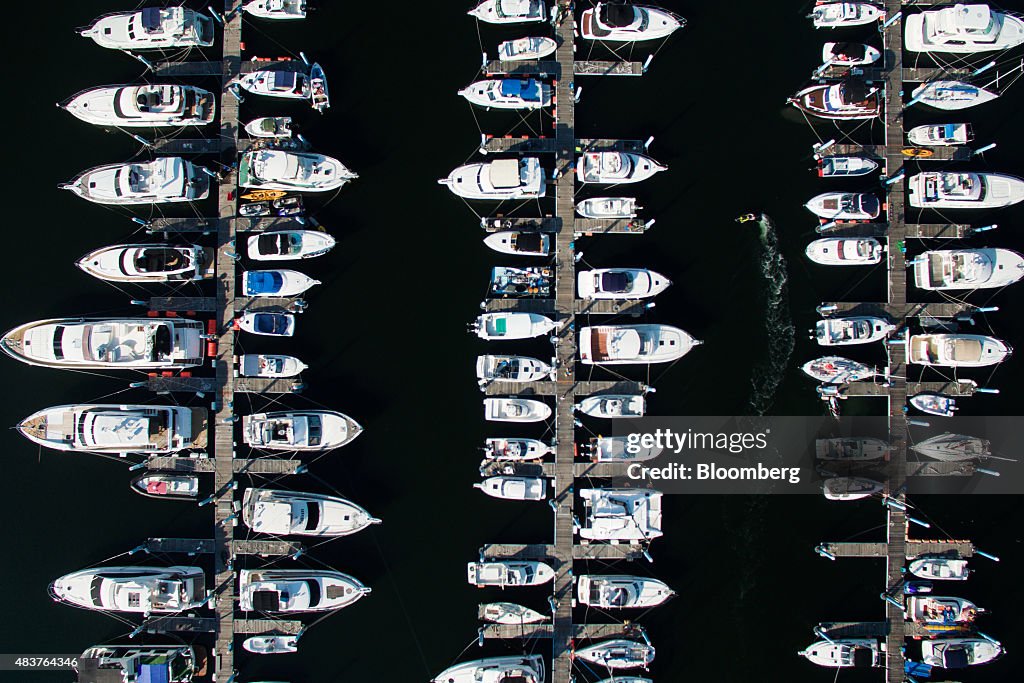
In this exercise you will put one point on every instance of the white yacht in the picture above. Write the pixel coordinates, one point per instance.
(269, 365)
(624, 23)
(952, 95)
(956, 350)
(499, 179)
(953, 269)
(615, 167)
(509, 487)
(284, 245)
(608, 207)
(508, 93)
(632, 515)
(515, 410)
(631, 344)
(837, 370)
(940, 568)
(936, 609)
(954, 448)
(284, 84)
(621, 592)
(149, 263)
(275, 169)
(277, 282)
(844, 206)
(849, 54)
(510, 11)
(511, 369)
(152, 28)
(959, 653)
(271, 645)
(270, 127)
(845, 166)
(851, 100)
(166, 485)
(510, 325)
(857, 329)
(523, 49)
(510, 613)
(962, 29)
(845, 449)
(161, 181)
(267, 323)
(299, 430)
(844, 14)
(618, 449)
(516, 449)
(845, 653)
(509, 573)
(143, 106)
(98, 343)
(941, 134)
(295, 513)
(512, 669)
(952, 190)
(934, 404)
(520, 243)
(620, 283)
(296, 590)
(850, 488)
(845, 251)
(282, 10)
(617, 654)
(134, 662)
(117, 429)
(143, 590)
(614, 406)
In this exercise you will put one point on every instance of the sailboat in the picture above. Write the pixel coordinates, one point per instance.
(618, 653)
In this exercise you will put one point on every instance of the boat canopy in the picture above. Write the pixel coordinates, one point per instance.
(264, 281)
(615, 281)
(850, 50)
(504, 173)
(526, 88)
(270, 323)
(616, 15)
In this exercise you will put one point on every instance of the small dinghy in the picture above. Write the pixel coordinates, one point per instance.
(952, 95)
(514, 488)
(273, 127)
(520, 243)
(511, 369)
(850, 488)
(837, 370)
(508, 93)
(508, 573)
(613, 406)
(618, 653)
(615, 167)
(283, 245)
(625, 23)
(843, 14)
(935, 609)
(846, 653)
(621, 592)
(271, 645)
(844, 206)
(959, 653)
(861, 329)
(319, 95)
(510, 613)
(510, 11)
(269, 365)
(941, 135)
(849, 54)
(280, 83)
(845, 251)
(850, 449)
(515, 410)
(512, 325)
(522, 49)
(499, 180)
(620, 283)
(281, 10)
(841, 167)
(852, 99)
(608, 207)
(275, 282)
(940, 568)
(167, 485)
(619, 449)
(267, 324)
(299, 430)
(956, 350)
(954, 448)
(516, 450)
(934, 404)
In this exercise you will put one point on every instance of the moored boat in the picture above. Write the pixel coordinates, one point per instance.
(277, 282)
(857, 329)
(844, 14)
(850, 449)
(846, 653)
(629, 344)
(620, 283)
(953, 269)
(508, 93)
(851, 99)
(941, 134)
(319, 95)
(166, 485)
(520, 243)
(510, 487)
(296, 590)
(269, 324)
(269, 365)
(282, 83)
(116, 662)
(953, 190)
(962, 29)
(508, 282)
(934, 404)
(937, 609)
(512, 325)
(510, 613)
(515, 410)
(845, 251)
(516, 449)
(940, 568)
(500, 179)
(148, 263)
(620, 514)
(615, 406)
(270, 127)
(143, 106)
(117, 429)
(508, 573)
(956, 350)
(615, 591)
(271, 644)
(849, 54)
(299, 430)
(954, 447)
(959, 653)
(511, 669)
(617, 654)
(952, 95)
(275, 169)
(141, 590)
(608, 207)
(152, 28)
(837, 370)
(619, 449)
(283, 245)
(844, 206)
(283, 10)
(511, 369)
(625, 23)
(164, 180)
(297, 513)
(615, 167)
(509, 11)
(530, 48)
(845, 166)
(850, 488)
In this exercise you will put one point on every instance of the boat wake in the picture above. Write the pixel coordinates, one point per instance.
(779, 331)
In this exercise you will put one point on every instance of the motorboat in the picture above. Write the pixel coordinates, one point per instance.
(296, 513)
(614, 406)
(850, 449)
(940, 568)
(625, 23)
(510, 613)
(512, 669)
(266, 323)
(621, 592)
(510, 325)
(952, 95)
(162, 181)
(275, 282)
(271, 644)
(845, 166)
(524, 49)
(615, 167)
(520, 243)
(108, 343)
(619, 449)
(857, 329)
(152, 28)
(953, 190)
(959, 653)
(845, 251)
(282, 83)
(509, 573)
(954, 448)
(508, 93)
(608, 207)
(940, 610)
(967, 269)
(142, 590)
(511, 369)
(844, 206)
(941, 134)
(500, 179)
(270, 127)
(962, 29)
(850, 488)
(284, 245)
(521, 283)
(956, 350)
(516, 449)
(626, 344)
(167, 485)
(837, 370)
(269, 365)
(618, 653)
(282, 10)
(509, 11)
(509, 487)
(632, 515)
(143, 106)
(934, 404)
(299, 430)
(515, 410)
(148, 263)
(850, 99)
(849, 54)
(845, 14)
(115, 429)
(846, 653)
(276, 169)
(116, 662)
(319, 95)
(620, 283)
(296, 590)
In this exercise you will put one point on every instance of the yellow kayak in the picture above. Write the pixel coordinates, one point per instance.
(263, 195)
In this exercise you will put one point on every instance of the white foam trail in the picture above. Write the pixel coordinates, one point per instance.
(780, 335)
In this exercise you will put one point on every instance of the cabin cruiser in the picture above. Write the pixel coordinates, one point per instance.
(98, 343)
(967, 269)
(509, 325)
(625, 344)
(962, 29)
(267, 323)
(143, 106)
(959, 653)
(941, 134)
(516, 449)
(508, 93)
(623, 23)
(618, 654)
(116, 429)
(842, 166)
(146, 263)
(511, 369)
(952, 190)
(846, 653)
(269, 365)
(842, 449)
(615, 167)
(513, 669)
(523, 49)
(934, 404)
(940, 568)
(956, 350)
(135, 663)
(608, 207)
(510, 613)
(952, 95)
(276, 9)
(615, 406)
(521, 283)
(844, 14)
(271, 645)
(632, 515)
(281, 83)
(499, 179)
(509, 11)
(270, 127)
(515, 410)
(621, 592)
(166, 485)
(152, 28)
(934, 609)
(858, 329)
(288, 513)
(837, 370)
(514, 488)
(954, 448)
(844, 206)
(508, 573)
(161, 181)
(849, 54)
(275, 169)
(850, 99)
(296, 590)
(299, 430)
(284, 245)
(845, 251)
(276, 282)
(850, 488)
(618, 449)
(520, 243)
(620, 283)
(143, 590)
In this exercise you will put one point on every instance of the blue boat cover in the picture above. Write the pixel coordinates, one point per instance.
(270, 323)
(528, 89)
(918, 669)
(949, 130)
(263, 281)
(150, 18)
(154, 673)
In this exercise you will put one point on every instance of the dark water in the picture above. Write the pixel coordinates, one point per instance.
(384, 336)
